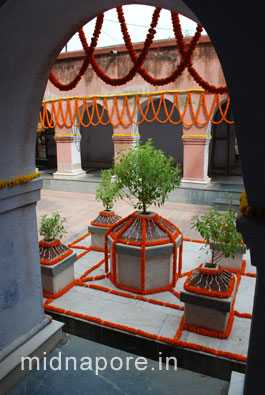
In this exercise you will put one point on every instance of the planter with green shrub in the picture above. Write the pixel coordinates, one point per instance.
(143, 244)
(222, 240)
(57, 269)
(208, 290)
(108, 192)
(52, 227)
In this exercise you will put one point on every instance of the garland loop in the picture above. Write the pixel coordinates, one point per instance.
(138, 61)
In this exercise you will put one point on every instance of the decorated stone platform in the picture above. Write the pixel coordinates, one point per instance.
(93, 307)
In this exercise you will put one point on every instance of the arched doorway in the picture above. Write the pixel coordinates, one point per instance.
(166, 136)
(45, 156)
(97, 149)
(223, 152)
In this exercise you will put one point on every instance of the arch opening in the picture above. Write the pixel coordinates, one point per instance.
(223, 151)
(97, 150)
(166, 136)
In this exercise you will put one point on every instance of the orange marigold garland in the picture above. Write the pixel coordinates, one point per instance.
(176, 341)
(186, 54)
(49, 243)
(138, 61)
(200, 290)
(56, 260)
(72, 245)
(89, 52)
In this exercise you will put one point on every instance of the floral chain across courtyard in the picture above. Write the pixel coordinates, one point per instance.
(190, 105)
(138, 61)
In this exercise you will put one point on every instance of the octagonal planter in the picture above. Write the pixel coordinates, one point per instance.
(144, 253)
(100, 225)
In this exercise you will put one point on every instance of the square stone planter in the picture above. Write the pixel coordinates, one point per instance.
(97, 235)
(99, 226)
(56, 277)
(57, 266)
(206, 312)
(207, 296)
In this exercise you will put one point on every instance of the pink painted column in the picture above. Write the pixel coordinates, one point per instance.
(124, 137)
(195, 158)
(68, 153)
(196, 139)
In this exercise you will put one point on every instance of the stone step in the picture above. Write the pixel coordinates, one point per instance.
(223, 204)
(191, 193)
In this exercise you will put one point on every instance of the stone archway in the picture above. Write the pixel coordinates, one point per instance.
(46, 156)
(32, 34)
(223, 150)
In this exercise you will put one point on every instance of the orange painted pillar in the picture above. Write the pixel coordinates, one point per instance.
(68, 153)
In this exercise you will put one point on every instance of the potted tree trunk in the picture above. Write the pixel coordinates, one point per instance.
(208, 290)
(57, 270)
(144, 245)
(108, 192)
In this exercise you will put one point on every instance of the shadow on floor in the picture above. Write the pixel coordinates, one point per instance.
(125, 373)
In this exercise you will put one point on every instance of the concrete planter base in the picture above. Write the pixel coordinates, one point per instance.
(57, 269)
(205, 311)
(56, 277)
(99, 226)
(207, 296)
(158, 266)
(139, 267)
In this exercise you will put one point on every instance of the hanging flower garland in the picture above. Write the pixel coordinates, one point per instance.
(137, 64)
(188, 63)
(185, 56)
(138, 61)
(87, 60)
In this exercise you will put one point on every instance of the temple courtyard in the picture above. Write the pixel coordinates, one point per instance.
(147, 325)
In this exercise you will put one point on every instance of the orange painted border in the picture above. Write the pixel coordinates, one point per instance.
(56, 260)
(176, 341)
(215, 294)
(49, 244)
(143, 244)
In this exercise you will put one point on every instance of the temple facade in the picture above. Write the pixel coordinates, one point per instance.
(180, 117)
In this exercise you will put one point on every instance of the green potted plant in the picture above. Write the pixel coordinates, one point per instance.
(143, 245)
(57, 270)
(108, 192)
(146, 174)
(222, 241)
(52, 227)
(208, 290)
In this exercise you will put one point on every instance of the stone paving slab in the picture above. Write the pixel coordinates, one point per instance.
(152, 318)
